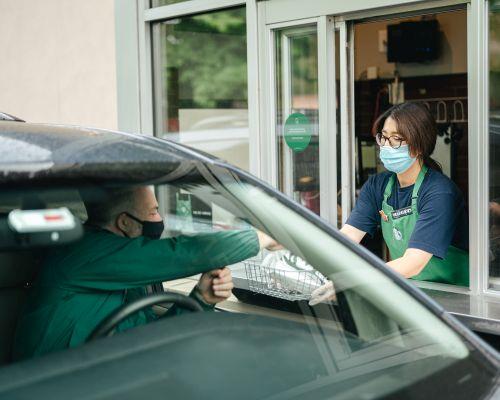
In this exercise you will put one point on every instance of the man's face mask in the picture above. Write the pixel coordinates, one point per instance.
(150, 229)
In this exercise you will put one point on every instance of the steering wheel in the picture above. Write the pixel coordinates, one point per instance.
(109, 324)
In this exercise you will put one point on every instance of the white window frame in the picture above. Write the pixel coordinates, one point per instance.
(147, 16)
(135, 90)
(299, 13)
(286, 104)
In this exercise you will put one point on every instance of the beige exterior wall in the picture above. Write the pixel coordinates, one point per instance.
(58, 61)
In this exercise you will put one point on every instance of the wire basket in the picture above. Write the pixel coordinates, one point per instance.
(285, 284)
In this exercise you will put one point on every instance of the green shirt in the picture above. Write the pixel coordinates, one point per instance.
(81, 284)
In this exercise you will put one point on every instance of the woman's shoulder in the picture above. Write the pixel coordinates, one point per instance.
(437, 182)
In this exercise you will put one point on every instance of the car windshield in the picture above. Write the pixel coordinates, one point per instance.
(369, 332)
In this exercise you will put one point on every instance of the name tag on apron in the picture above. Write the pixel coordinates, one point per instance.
(402, 212)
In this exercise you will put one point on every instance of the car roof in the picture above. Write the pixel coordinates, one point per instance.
(42, 153)
(48, 155)
(7, 117)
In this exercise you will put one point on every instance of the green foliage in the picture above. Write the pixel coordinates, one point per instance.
(209, 52)
(305, 65)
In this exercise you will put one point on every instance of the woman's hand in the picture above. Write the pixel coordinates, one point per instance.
(323, 293)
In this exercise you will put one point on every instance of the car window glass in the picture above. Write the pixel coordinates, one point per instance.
(362, 324)
(370, 331)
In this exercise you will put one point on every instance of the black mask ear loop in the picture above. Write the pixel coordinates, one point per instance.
(150, 229)
(118, 227)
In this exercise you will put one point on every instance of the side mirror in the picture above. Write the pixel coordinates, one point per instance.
(23, 229)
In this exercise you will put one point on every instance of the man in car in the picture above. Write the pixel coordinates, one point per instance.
(121, 252)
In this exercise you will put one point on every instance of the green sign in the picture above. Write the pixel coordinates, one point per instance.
(183, 210)
(297, 132)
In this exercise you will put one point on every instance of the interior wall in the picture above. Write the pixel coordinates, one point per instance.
(58, 61)
(453, 59)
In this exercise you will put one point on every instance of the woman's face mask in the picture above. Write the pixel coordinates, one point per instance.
(150, 229)
(396, 160)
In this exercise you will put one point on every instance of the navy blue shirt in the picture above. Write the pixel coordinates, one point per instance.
(442, 218)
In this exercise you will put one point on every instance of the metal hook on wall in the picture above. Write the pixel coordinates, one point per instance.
(458, 105)
(441, 117)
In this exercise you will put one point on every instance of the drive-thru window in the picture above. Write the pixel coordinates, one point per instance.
(289, 90)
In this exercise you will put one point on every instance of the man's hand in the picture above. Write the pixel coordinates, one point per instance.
(216, 285)
(267, 242)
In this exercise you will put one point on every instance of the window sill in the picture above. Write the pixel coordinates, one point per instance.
(478, 313)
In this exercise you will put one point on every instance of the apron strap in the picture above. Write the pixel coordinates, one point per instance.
(416, 187)
(418, 183)
(388, 188)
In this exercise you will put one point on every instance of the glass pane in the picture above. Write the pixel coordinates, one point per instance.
(494, 205)
(361, 343)
(159, 3)
(297, 115)
(339, 124)
(200, 83)
(388, 72)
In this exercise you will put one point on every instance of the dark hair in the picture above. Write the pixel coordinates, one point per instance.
(417, 126)
(106, 210)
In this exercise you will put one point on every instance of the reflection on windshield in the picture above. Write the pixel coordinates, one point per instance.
(370, 331)
(362, 328)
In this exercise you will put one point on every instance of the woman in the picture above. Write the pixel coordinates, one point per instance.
(421, 211)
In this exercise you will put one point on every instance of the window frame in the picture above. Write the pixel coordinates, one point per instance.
(478, 119)
(147, 16)
(135, 87)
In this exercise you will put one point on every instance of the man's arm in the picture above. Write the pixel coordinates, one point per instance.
(119, 263)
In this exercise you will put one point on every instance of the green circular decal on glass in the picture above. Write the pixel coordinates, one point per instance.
(297, 132)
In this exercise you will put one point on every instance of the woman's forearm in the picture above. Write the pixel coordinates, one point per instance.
(411, 263)
(353, 233)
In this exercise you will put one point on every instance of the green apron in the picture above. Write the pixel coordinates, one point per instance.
(397, 230)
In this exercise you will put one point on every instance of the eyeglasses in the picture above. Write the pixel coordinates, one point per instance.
(394, 141)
